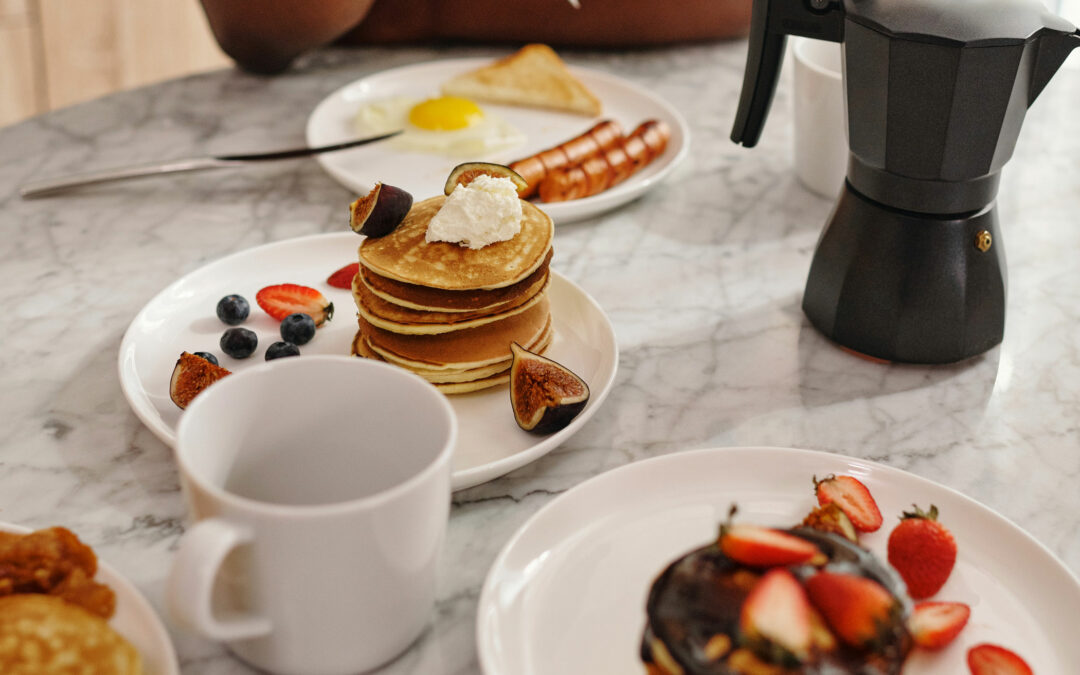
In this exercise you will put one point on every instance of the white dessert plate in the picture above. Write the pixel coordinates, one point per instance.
(424, 175)
(182, 318)
(567, 593)
(135, 619)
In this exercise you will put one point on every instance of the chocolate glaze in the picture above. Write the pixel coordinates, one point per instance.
(697, 597)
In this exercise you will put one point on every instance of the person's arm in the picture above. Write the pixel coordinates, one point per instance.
(265, 35)
(596, 23)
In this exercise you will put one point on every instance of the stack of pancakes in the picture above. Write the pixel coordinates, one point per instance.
(447, 312)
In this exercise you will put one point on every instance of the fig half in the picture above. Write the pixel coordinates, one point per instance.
(190, 376)
(545, 395)
(380, 212)
(463, 174)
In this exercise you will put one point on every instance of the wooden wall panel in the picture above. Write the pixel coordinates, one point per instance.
(22, 92)
(81, 56)
(162, 39)
(59, 52)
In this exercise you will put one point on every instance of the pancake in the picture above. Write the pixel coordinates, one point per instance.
(494, 380)
(362, 347)
(423, 298)
(44, 635)
(465, 381)
(462, 349)
(431, 327)
(404, 255)
(372, 304)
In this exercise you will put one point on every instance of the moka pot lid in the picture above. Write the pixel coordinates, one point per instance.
(975, 23)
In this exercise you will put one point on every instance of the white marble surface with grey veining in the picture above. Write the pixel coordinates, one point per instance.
(702, 279)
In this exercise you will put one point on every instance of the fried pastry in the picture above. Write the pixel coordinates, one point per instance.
(53, 562)
(44, 635)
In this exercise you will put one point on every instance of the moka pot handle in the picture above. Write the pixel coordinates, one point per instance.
(770, 24)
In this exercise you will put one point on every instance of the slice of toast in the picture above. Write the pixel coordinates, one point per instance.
(534, 76)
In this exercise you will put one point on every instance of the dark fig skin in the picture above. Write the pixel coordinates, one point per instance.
(463, 174)
(531, 370)
(556, 418)
(379, 212)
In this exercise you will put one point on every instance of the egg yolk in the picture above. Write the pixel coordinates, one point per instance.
(445, 113)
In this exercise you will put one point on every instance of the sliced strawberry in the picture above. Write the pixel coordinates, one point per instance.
(777, 612)
(852, 497)
(281, 300)
(988, 659)
(344, 276)
(765, 547)
(936, 624)
(857, 609)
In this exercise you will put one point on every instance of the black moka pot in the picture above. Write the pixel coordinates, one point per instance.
(910, 266)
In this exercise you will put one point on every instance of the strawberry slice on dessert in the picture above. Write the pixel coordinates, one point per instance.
(343, 277)
(935, 624)
(766, 547)
(858, 610)
(776, 618)
(853, 498)
(989, 659)
(281, 300)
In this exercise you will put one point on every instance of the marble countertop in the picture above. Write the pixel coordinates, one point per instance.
(702, 279)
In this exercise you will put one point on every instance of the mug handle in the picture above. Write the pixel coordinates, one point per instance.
(191, 581)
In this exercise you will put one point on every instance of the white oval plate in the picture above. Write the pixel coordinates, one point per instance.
(135, 619)
(424, 175)
(182, 317)
(567, 593)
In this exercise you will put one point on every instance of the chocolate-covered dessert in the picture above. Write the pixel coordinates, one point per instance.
(701, 623)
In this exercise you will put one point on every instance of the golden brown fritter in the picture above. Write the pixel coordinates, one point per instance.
(43, 635)
(53, 562)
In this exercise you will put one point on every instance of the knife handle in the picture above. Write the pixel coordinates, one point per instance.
(48, 186)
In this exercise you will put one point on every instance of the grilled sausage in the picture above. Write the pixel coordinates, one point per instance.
(606, 169)
(533, 169)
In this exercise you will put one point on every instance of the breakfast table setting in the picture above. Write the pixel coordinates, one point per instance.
(678, 299)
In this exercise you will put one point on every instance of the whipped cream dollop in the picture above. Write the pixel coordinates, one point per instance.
(483, 212)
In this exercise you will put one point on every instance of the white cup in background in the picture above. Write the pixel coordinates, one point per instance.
(320, 491)
(821, 149)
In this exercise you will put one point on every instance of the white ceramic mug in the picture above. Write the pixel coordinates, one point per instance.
(821, 147)
(320, 487)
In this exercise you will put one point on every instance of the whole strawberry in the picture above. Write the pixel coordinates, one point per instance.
(923, 551)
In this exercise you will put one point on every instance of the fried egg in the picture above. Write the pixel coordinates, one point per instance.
(447, 125)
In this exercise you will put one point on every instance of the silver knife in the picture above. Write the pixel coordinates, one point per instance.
(50, 186)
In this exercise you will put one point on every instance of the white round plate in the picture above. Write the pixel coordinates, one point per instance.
(424, 175)
(182, 318)
(567, 593)
(135, 619)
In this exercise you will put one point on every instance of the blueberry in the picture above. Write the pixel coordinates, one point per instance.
(297, 328)
(233, 309)
(239, 343)
(280, 350)
(208, 356)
